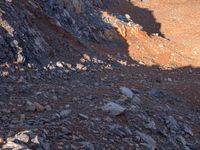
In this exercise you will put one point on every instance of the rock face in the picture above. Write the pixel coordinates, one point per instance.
(72, 18)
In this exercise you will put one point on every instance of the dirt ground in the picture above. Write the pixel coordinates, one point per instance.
(159, 64)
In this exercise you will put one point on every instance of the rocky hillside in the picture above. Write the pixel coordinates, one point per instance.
(97, 74)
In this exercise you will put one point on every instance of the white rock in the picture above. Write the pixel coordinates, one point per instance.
(126, 91)
(48, 108)
(59, 64)
(12, 145)
(113, 108)
(65, 113)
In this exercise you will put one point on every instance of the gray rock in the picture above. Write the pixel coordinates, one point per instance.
(188, 130)
(171, 124)
(65, 113)
(87, 145)
(151, 143)
(82, 116)
(113, 108)
(151, 125)
(183, 142)
(135, 100)
(156, 93)
(30, 106)
(117, 130)
(47, 107)
(126, 91)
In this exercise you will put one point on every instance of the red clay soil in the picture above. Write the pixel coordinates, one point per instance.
(177, 22)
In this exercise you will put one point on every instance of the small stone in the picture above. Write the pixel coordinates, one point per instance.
(35, 140)
(151, 143)
(113, 108)
(151, 125)
(59, 64)
(136, 100)
(126, 91)
(22, 136)
(171, 123)
(156, 93)
(39, 107)
(2, 141)
(14, 146)
(47, 107)
(65, 113)
(55, 98)
(128, 16)
(66, 131)
(183, 142)
(188, 130)
(87, 145)
(5, 74)
(30, 106)
(22, 117)
(81, 67)
(83, 116)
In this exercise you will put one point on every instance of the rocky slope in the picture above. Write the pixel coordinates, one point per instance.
(93, 74)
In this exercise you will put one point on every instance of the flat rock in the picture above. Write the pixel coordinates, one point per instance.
(126, 91)
(113, 108)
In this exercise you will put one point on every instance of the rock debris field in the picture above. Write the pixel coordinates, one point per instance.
(99, 75)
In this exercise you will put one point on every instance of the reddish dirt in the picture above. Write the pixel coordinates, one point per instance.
(177, 22)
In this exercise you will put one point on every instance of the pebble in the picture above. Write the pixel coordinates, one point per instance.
(87, 145)
(47, 107)
(151, 125)
(22, 117)
(182, 140)
(151, 143)
(126, 91)
(39, 107)
(22, 136)
(30, 106)
(136, 100)
(113, 108)
(65, 113)
(171, 123)
(188, 130)
(83, 116)
(59, 64)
